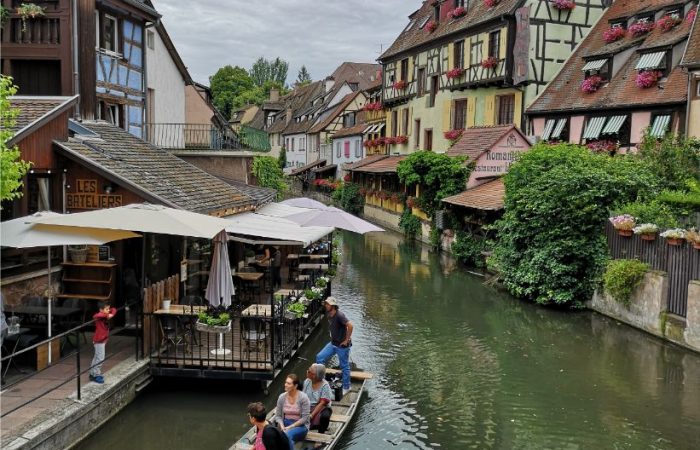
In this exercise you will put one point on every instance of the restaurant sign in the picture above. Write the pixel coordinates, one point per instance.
(87, 196)
(497, 160)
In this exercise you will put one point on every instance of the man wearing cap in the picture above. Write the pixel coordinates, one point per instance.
(341, 331)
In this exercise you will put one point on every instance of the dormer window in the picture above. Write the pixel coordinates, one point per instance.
(436, 12)
(600, 67)
(675, 13)
(653, 61)
(647, 18)
(619, 24)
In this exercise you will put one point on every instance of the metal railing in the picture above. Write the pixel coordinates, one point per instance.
(192, 136)
(255, 139)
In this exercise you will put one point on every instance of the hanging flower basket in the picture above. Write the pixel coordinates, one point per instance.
(455, 73)
(624, 224)
(648, 236)
(431, 26)
(457, 12)
(490, 62)
(490, 3)
(641, 28)
(78, 253)
(591, 84)
(29, 11)
(614, 34)
(693, 237)
(674, 236)
(400, 85)
(667, 23)
(647, 79)
(563, 4)
(646, 231)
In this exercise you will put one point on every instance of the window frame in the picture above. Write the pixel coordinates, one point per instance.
(422, 81)
(428, 139)
(459, 3)
(458, 54)
(104, 18)
(499, 109)
(404, 121)
(416, 132)
(476, 53)
(456, 123)
(403, 70)
(495, 44)
(394, 123)
(151, 39)
(434, 88)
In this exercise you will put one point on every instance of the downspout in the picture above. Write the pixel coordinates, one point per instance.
(76, 64)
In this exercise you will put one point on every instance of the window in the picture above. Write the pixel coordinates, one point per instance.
(618, 24)
(697, 88)
(675, 13)
(302, 144)
(404, 69)
(506, 109)
(109, 39)
(428, 141)
(434, 85)
(600, 67)
(425, 20)
(416, 132)
(358, 149)
(495, 44)
(404, 121)
(394, 123)
(337, 150)
(475, 54)
(459, 3)
(654, 61)
(349, 119)
(151, 39)
(436, 13)
(459, 117)
(292, 144)
(421, 81)
(645, 18)
(354, 86)
(459, 54)
(556, 130)
(38, 193)
(659, 125)
(111, 113)
(346, 149)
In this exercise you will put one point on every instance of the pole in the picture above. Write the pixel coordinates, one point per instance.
(49, 290)
(77, 360)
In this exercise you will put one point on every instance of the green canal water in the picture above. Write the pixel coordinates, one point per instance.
(457, 366)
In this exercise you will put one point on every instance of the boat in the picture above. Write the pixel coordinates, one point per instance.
(343, 412)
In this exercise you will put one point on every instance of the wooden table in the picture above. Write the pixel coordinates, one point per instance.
(309, 266)
(249, 276)
(286, 292)
(313, 256)
(257, 310)
(181, 310)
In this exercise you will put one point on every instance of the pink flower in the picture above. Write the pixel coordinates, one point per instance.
(667, 22)
(453, 135)
(400, 85)
(690, 17)
(647, 79)
(389, 140)
(640, 28)
(490, 3)
(490, 62)
(603, 146)
(456, 13)
(563, 4)
(401, 139)
(591, 84)
(455, 73)
(614, 34)
(431, 26)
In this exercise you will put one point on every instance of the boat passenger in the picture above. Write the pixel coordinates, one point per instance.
(293, 407)
(267, 437)
(319, 392)
(341, 340)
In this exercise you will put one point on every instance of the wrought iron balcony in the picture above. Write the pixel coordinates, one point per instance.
(205, 137)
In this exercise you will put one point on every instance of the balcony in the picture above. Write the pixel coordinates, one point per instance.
(40, 31)
(195, 136)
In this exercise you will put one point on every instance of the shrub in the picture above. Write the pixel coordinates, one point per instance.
(650, 212)
(621, 278)
(349, 198)
(269, 174)
(467, 249)
(410, 224)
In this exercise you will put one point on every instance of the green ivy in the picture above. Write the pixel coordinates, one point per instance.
(621, 278)
(12, 168)
(410, 224)
(467, 249)
(266, 169)
(348, 197)
(652, 211)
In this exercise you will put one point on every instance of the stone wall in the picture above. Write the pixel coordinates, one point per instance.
(34, 283)
(236, 167)
(648, 310)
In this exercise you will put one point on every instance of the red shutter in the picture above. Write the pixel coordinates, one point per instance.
(347, 149)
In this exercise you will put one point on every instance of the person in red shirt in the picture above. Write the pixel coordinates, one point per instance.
(99, 340)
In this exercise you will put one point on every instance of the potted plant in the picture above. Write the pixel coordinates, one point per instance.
(647, 78)
(457, 12)
(455, 73)
(401, 140)
(400, 85)
(693, 237)
(591, 84)
(624, 224)
(4, 15)
(564, 4)
(214, 320)
(431, 26)
(489, 63)
(668, 22)
(490, 3)
(674, 236)
(646, 231)
(614, 34)
(78, 253)
(640, 28)
(295, 310)
(249, 256)
(603, 146)
(453, 135)
(322, 282)
(29, 11)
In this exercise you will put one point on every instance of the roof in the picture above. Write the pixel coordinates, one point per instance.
(309, 166)
(364, 74)
(296, 100)
(238, 114)
(387, 164)
(295, 127)
(261, 195)
(351, 131)
(364, 161)
(152, 172)
(691, 58)
(475, 141)
(564, 92)
(144, 6)
(487, 196)
(36, 111)
(477, 13)
(325, 168)
(344, 103)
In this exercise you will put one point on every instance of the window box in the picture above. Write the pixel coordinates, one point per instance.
(641, 28)
(457, 72)
(591, 84)
(647, 78)
(564, 4)
(614, 34)
(489, 63)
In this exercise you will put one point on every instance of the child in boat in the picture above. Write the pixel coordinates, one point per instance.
(267, 437)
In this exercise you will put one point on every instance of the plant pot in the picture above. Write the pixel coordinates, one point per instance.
(625, 233)
(648, 236)
(78, 255)
(166, 304)
(201, 326)
(674, 241)
(696, 245)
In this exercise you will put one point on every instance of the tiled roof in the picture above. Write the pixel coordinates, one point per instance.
(296, 100)
(261, 195)
(295, 127)
(477, 140)
(477, 13)
(238, 114)
(487, 196)
(691, 58)
(153, 172)
(387, 164)
(350, 131)
(309, 166)
(34, 111)
(336, 112)
(364, 74)
(564, 92)
(325, 168)
(364, 161)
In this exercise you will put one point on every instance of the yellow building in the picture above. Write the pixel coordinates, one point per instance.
(460, 64)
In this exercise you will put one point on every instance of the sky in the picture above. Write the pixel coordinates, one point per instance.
(319, 34)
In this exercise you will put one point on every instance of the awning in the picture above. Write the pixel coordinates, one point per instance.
(369, 129)
(594, 127)
(614, 124)
(486, 197)
(650, 60)
(325, 168)
(308, 167)
(548, 127)
(379, 128)
(558, 129)
(260, 226)
(596, 64)
(660, 126)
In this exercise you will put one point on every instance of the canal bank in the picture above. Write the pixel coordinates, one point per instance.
(458, 365)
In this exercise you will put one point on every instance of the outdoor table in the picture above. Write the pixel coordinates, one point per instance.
(187, 315)
(248, 278)
(286, 292)
(181, 310)
(59, 312)
(314, 256)
(313, 266)
(257, 310)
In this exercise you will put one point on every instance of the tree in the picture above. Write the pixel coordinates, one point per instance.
(227, 84)
(267, 170)
(12, 168)
(303, 78)
(264, 70)
(282, 158)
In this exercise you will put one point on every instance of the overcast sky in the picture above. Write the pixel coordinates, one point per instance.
(320, 34)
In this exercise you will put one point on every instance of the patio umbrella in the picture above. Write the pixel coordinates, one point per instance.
(220, 285)
(333, 217)
(304, 202)
(146, 218)
(24, 232)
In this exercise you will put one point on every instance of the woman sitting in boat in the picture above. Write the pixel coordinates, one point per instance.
(292, 415)
(319, 392)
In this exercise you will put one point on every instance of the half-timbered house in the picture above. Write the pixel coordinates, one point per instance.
(691, 60)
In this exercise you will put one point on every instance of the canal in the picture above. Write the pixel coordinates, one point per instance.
(457, 365)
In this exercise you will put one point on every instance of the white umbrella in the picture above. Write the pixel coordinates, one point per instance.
(24, 232)
(145, 218)
(333, 217)
(220, 286)
(304, 202)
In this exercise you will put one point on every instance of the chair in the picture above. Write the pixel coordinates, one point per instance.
(168, 329)
(253, 334)
(71, 322)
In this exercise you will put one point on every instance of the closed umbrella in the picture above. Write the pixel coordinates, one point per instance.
(333, 217)
(220, 286)
(24, 232)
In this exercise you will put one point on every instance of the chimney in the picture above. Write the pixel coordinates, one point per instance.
(274, 94)
(330, 81)
(288, 115)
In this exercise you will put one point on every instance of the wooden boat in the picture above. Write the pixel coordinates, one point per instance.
(343, 412)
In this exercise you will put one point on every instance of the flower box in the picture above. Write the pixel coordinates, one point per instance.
(389, 140)
(431, 26)
(453, 135)
(690, 17)
(490, 3)
(603, 146)
(647, 231)
(625, 233)
(667, 23)
(693, 237)
(455, 73)
(674, 241)
(674, 236)
(457, 12)
(205, 328)
(640, 28)
(400, 140)
(563, 4)
(647, 79)
(490, 62)
(624, 224)
(400, 85)
(614, 34)
(591, 84)
(648, 236)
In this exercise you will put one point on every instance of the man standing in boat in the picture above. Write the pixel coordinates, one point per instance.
(341, 332)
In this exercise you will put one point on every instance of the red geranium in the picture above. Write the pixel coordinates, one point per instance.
(400, 85)
(603, 146)
(457, 13)
(690, 17)
(640, 28)
(668, 22)
(431, 26)
(401, 140)
(389, 140)
(455, 73)
(591, 84)
(564, 4)
(490, 62)
(453, 135)
(347, 177)
(490, 3)
(614, 34)
(647, 78)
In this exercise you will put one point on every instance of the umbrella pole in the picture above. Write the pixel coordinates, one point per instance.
(49, 290)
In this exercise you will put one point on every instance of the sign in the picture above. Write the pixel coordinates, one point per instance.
(183, 270)
(104, 253)
(86, 196)
(521, 47)
(497, 160)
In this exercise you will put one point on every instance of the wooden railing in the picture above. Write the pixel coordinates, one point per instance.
(153, 297)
